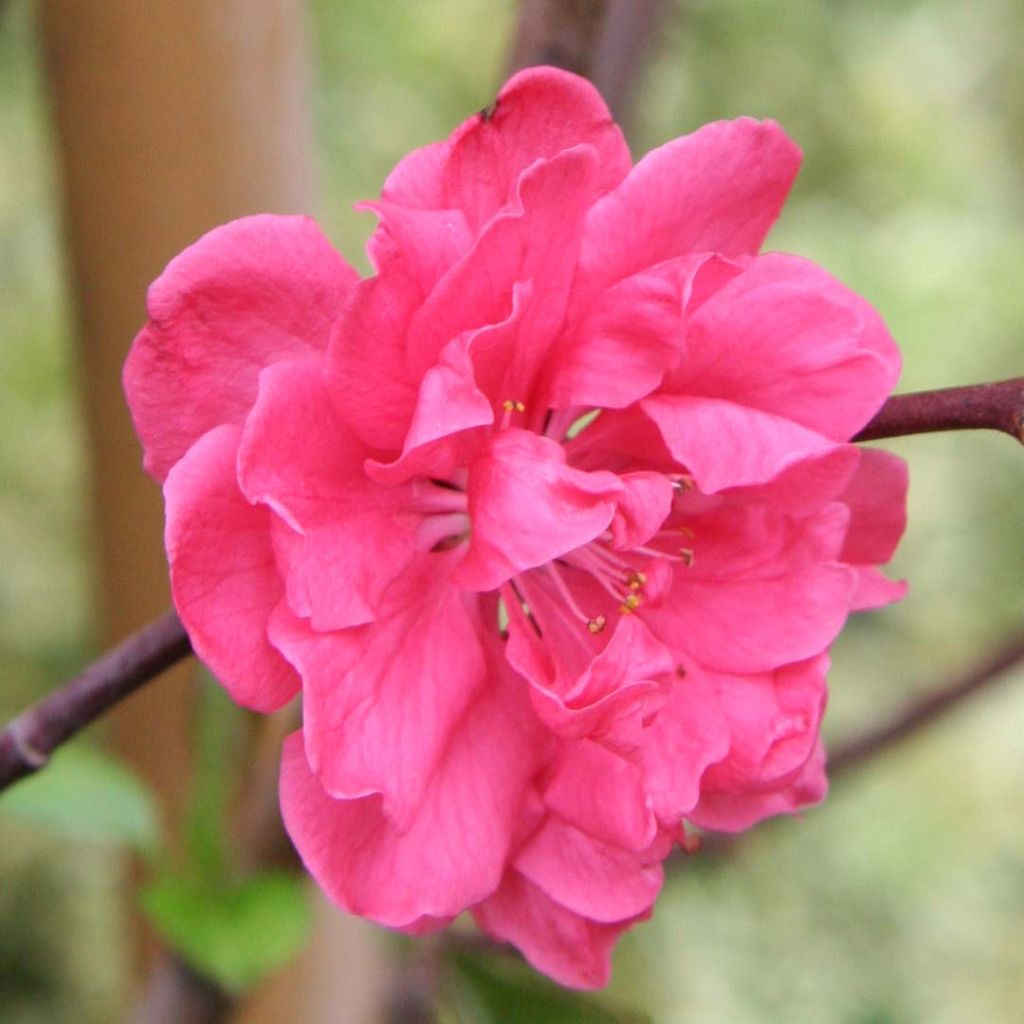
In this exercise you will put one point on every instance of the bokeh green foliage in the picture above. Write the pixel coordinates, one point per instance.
(901, 899)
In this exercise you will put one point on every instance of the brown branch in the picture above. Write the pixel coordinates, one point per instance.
(563, 33)
(27, 741)
(608, 41)
(924, 710)
(997, 406)
(176, 994)
(631, 32)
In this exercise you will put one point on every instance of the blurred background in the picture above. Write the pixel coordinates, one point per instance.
(128, 128)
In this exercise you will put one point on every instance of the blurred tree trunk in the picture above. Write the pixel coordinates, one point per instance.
(171, 116)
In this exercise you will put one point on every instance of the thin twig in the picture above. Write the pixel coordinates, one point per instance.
(997, 406)
(27, 741)
(924, 710)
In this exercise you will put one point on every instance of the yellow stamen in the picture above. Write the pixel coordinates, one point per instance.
(513, 405)
(636, 580)
(596, 625)
(631, 603)
(687, 556)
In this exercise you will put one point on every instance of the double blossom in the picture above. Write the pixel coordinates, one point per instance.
(551, 521)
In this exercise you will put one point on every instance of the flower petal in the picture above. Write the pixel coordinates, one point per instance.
(736, 809)
(689, 733)
(787, 338)
(727, 445)
(602, 793)
(717, 190)
(877, 498)
(382, 702)
(348, 538)
(223, 574)
(540, 113)
(528, 507)
(536, 239)
(587, 875)
(245, 295)
(754, 624)
(582, 686)
(451, 853)
(366, 365)
(620, 344)
(568, 947)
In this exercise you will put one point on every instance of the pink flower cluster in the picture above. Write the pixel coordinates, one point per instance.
(551, 521)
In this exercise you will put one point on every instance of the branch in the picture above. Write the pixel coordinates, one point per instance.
(924, 710)
(631, 30)
(176, 994)
(563, 33)
(27, 741)
(997, 406)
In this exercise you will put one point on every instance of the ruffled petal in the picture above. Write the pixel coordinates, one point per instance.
(383, 702)
(773, 723)
(224, 577)
(689, 733)
(347, 538)
(247, 294)
(366, 365)
(877, 499)
(535, 239)
(757, 623)
(728, 812)
(451, 853)
(568, 947)
(875, 590)
(584, 686)
(717, 190)
(460, 393)
(540, 113)
(602, 793)
(528, 507)
(620, 344)
(787, 338)
(645, 504)
(420, 244)
(589, 876)
(727, 445)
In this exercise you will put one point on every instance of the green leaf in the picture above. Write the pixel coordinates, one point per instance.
(233, 933)
(504, 990)
(87, 795)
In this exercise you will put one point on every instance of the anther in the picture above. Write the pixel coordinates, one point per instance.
(690, 843)
(513, 405)
(687, 555)
(630, 604)
(636, 580)
(596, 625)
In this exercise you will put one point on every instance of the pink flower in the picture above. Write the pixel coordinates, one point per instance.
(532, 645)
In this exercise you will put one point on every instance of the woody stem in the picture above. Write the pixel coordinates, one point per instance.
(995, 406)
(27, 741)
